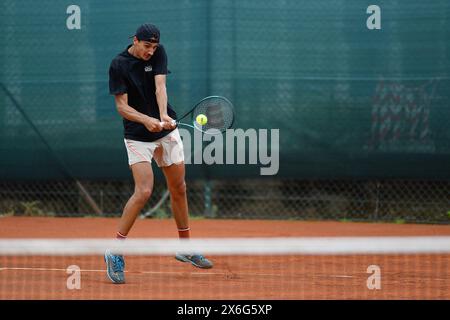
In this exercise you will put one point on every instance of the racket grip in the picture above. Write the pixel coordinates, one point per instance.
(174, 122)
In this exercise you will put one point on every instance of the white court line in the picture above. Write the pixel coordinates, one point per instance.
(139, 272)
(175, 272)
(44, 269)
(104, 270)
(189, 273)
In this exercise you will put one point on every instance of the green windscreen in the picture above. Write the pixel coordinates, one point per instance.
(349, 102)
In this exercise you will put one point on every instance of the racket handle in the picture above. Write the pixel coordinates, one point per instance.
(174, 122)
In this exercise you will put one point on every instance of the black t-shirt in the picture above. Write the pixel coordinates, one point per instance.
(136, 77)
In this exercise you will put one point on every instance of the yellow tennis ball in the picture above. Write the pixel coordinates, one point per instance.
(201, 119)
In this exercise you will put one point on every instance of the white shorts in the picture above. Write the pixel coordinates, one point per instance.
(166, 151)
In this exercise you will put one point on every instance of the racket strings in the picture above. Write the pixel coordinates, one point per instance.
(219, 113)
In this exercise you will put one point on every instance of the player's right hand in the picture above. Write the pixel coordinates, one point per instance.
(153, 125)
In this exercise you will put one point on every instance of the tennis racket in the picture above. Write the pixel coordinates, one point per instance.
(219, 113)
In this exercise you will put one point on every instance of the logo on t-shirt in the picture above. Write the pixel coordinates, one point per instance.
(148, 68)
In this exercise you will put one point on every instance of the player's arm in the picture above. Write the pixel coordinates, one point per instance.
(161, 99)
(132, 114)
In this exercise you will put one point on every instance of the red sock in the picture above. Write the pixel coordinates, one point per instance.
(184, 233)
(120, 236)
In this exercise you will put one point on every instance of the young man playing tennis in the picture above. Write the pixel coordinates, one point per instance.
(137, 79)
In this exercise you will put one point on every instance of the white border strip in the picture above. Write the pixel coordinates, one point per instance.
(232, 246)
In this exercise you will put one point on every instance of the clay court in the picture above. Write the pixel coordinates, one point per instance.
(424, 276)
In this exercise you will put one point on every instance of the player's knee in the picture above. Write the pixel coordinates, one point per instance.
(178, 189)
(143, 194)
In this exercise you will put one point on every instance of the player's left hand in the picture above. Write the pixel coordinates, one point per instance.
(167, 122)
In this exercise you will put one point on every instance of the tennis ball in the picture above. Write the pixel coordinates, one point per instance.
(201, 119)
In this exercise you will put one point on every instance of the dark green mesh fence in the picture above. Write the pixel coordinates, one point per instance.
(392, 201)
(363, 114)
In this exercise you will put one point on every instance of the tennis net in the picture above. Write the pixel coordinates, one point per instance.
(250, 268)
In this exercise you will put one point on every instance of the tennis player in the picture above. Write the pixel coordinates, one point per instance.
(137, 79)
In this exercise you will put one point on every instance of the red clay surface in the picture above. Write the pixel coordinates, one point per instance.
(255, 277)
